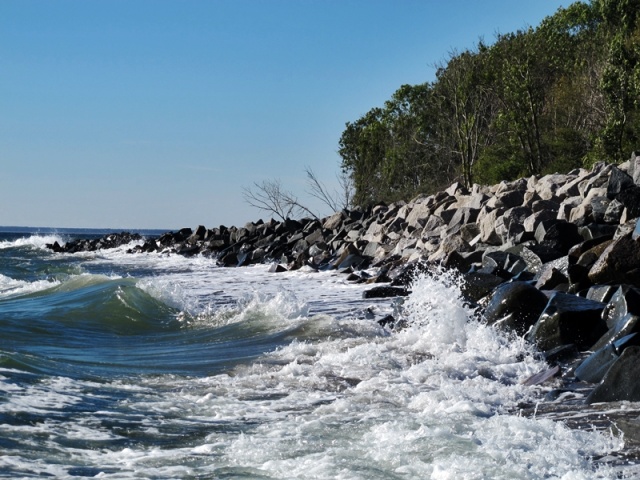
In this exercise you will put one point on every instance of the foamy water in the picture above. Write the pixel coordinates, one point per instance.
(291, 377)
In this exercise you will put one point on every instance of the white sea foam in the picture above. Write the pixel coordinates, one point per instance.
(35, 241)
(345, 399)
(10, 287)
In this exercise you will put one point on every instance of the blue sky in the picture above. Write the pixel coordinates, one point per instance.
(156, 113)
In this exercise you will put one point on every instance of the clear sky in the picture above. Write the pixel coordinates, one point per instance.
(156, 113)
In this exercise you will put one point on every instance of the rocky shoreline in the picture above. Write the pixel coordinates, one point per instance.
(554, 258)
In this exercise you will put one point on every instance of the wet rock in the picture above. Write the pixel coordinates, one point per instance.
(596, 365)
(561, 353)
(477, 285)
(550, 279)
(568, 319)
(625, 300)
(542, 377)
(384, 291)
(621, 381)
(515, 306)
(601, 293)
(277, 268)
(387, 321)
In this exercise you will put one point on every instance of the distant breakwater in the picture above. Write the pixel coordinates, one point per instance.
(553, 258)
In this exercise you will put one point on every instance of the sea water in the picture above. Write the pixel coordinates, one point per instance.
(158, 366)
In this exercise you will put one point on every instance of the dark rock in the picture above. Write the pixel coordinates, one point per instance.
(533, 262)
(511, 199)
(595, 366)
(622, 380)
(568, 319)
(455, 260)
(625, 300)
(613, 214)
(618, 181)
(521, 302)
(387, 321)
(353, 260)
(560, 235)
(596, 230)
(545, 253)
(599, 207)
(229, 260)
(630, 198)
(561, 353)
(55, 247)
(516, 215)
(198, 235)
(277, 268)
(551, 278)
(630, 428)
(405, 275)
(545, 206)
(384, 291)
(477, 285)
(577, 250)
(625, 326)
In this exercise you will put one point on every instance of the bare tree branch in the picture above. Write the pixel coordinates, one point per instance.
(336, 201)
(270, 197)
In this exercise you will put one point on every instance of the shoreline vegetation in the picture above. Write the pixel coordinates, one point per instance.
(562, 95)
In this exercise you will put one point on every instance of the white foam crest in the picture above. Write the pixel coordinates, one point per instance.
(10, 287)
(169, 292)
(35, 241)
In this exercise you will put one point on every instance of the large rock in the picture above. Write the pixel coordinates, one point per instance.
(568, 319)
(622, 380)
(625, 300)
(418, 216)
(487, 226)
(560, 235)
(618, 181)
(477, 285)
(625, 326)
(619, 263)
(515, 306)
(630, 198)
(596, 365)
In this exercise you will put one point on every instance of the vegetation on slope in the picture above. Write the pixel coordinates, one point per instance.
(551, 98)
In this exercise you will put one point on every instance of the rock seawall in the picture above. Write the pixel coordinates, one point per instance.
(554, 258)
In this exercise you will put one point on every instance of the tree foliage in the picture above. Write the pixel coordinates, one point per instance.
(561, 95)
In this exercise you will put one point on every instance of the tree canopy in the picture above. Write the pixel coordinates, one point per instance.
(551, 98)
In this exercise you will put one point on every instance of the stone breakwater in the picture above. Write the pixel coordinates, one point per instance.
(554, 258)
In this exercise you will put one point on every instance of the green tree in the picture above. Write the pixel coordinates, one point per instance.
(467, 106)
(621, 76)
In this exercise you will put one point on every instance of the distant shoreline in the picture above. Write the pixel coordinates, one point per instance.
(152, 232)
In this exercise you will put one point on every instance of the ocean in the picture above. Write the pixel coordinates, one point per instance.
(159, 366)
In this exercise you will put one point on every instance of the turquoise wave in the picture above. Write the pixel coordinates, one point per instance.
(92, 326)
